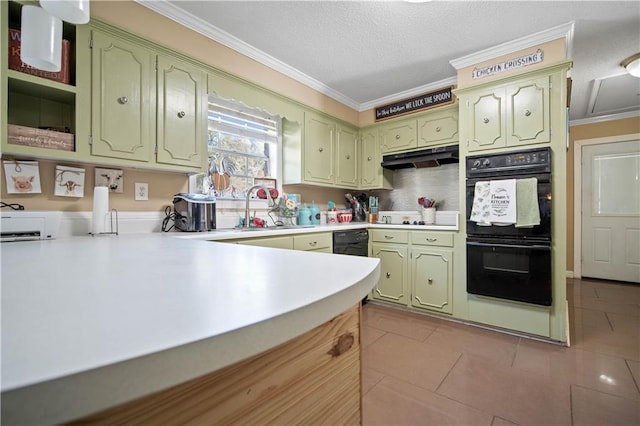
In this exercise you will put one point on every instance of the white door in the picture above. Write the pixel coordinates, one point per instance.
(611, 211)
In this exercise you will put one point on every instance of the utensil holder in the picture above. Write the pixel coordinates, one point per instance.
(429, 215)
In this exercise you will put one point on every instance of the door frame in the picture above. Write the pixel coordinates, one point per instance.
(577, 192)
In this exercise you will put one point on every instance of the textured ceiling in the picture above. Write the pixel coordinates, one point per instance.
(364, 52)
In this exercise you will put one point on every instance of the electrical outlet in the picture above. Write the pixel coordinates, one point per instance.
(141, 191)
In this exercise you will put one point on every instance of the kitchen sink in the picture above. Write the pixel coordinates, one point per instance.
(274, 228)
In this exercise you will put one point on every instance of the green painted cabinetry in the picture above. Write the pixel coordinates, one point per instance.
(438, 127)
(417, 268)
(148, 107)
(123, 81)
(513, 114)
(346, 157)
(398, 135)
(32, 101)
(182, 112)
(319, 145)
(372, 175)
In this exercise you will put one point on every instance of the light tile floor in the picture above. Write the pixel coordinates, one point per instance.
(419, 369)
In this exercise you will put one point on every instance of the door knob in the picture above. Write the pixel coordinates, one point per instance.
(388, 275)
(123, 100)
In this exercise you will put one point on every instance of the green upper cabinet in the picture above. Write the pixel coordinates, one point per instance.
(512, 114)
(528, 112)
(123, 85)
(32, 101)
(148, 107)
(319, 146)
(347, 157)
(439, 127)
(398, 135)
(372, 175)
(182, 108)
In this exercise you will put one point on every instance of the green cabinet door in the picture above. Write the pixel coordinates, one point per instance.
(484, 116)
(392, 286)
(398, 136)
(438, 127)
(284, 242)
(370, 159)
(122, 99)
(318, 148)
(431, 274)
(528, 114)
(182, 104)
(347, 157)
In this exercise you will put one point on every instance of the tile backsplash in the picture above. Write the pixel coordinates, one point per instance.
(440, 183)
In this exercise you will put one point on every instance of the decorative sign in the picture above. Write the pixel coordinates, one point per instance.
(511, 64)
(428, 100)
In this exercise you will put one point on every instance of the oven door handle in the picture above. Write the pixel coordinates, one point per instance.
(519, 246)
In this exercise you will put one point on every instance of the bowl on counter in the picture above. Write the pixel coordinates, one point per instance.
(345, 216)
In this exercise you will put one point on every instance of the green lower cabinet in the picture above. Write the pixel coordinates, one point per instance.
(393, 283)
(284, 242)
(432, 279)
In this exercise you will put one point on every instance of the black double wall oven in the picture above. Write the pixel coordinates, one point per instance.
(509, 262)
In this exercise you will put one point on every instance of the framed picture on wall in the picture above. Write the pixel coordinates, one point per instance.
(22, 177)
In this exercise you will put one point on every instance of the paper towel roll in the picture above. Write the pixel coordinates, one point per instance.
(100, 209)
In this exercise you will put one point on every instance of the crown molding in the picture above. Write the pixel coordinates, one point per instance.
(603, 118)
(561, 31)
(168, 10)
(408, 93)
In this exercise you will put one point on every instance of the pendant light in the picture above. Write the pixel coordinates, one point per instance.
(72, 11)
(40, 39)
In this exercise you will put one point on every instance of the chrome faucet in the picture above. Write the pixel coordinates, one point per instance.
(246, 208)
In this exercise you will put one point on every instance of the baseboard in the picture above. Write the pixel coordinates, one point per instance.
(570, 274)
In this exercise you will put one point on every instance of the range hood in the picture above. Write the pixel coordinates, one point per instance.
(431, 157)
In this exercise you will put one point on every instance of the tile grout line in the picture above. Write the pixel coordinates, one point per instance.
(626, 361)
(448, 372)
(608, 320)
(515, 353)
(571, 403)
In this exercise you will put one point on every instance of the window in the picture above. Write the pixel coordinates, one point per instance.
(242, 144)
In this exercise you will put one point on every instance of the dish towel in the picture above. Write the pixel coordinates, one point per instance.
(502, 202)
(527, 202)
(480, 206)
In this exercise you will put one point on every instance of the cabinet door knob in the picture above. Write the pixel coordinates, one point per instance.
(368, 158)
(181, 114)
(123, 100)
(348, 157)
(527, 113)
(388, 237)
(313, 243)
(397, 137)
(388, 275)
(320, 149)
(485, 120)
(430, 281)
(438, 129)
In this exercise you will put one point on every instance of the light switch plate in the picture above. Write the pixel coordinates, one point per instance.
(141, 191)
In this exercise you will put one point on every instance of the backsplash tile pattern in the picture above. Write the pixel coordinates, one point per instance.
(441, 183)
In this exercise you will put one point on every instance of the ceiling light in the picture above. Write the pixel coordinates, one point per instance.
(72, 11)
(632, 64)
(41, 39)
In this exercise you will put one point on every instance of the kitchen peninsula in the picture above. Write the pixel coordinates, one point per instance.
(90, 323)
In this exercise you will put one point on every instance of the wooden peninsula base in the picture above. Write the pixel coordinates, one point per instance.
(312, 379)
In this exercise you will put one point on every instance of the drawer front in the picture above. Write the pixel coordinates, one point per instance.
(428, 238)
(322, 241)
(390, 236)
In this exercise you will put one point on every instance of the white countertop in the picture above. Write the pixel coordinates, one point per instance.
(90, 322)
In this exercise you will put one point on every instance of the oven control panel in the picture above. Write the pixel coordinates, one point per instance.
(526, 161)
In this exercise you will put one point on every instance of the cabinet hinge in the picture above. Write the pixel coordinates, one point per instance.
(467, 103)
(91, 43)
(90, 140)
(155, 150)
